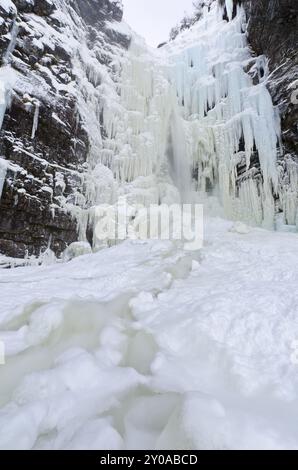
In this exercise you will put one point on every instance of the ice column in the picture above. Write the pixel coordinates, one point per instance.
(229, 7)
(35, 119)
(3, 169)
(178, 155)
(12, 43)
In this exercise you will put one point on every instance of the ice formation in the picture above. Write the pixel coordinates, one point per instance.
(192, 108)
(228, 119)
(7, 79)
(184, 122)
(6, 82)
(12, 42)
(35, 119)
(3, 170)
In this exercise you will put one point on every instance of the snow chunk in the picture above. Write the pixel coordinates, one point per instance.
(77, 249)
(241, 228)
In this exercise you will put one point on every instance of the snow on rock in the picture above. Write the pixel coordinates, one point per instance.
(226, 116)
(7, 80)
(57, 95)
(230, 7)
(8, 6)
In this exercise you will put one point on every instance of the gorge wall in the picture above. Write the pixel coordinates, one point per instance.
(272, 33)
(54, 54)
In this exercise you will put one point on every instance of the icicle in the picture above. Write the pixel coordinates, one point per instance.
(12, 43)
(3, 101)
(35, 118)
(3, 170)
(230, 7)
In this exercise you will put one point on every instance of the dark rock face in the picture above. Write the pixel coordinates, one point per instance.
(44, 136)
(273, 31)
(94, 11)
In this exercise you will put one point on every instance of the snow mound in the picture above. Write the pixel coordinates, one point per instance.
(76, 249)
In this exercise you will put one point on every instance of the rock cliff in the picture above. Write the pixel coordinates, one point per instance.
(56, 53)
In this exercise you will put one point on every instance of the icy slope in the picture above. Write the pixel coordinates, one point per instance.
(145, 346)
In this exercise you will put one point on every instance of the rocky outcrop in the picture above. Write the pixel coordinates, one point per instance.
(45, 139)
(272, 31)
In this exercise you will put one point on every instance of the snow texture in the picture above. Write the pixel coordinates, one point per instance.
(146, 346)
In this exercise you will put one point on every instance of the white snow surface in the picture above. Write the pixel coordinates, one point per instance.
(146, 346)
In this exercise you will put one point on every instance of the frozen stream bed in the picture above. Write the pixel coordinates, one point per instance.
(146, 346)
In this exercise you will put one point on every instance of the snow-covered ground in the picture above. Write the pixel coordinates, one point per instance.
(144, 345)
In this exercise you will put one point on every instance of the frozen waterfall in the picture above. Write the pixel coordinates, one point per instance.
(199, 107)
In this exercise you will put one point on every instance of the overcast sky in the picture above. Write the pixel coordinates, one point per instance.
(153, 19)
